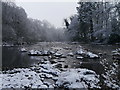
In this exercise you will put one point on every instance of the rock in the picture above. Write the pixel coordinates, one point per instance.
(23, 50)
(45, 53)
(92, 56)
(58, 54)
(52, 52)
(63, 56)
(58, 66)
(34, 53)
(81, 52)
(67, 48)
(61, 60)
(88, 72)
(100, 54)
(66, 66)
(79, 57)
(70, 54)
(116, 54)
(54, 57)
(53, 61)
(87, 54)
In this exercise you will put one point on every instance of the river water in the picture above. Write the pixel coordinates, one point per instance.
(13, 58)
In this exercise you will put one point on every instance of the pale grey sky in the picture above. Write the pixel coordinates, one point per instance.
(53, 12)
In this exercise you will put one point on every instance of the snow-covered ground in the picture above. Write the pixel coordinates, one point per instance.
(34, 77)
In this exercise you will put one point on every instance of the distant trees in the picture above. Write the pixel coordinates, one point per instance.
(18, 28)
(96, 22)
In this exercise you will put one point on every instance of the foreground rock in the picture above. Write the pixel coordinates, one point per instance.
(25, 78)
(78, 78)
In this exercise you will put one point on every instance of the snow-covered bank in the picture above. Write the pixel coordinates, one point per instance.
(34, 77)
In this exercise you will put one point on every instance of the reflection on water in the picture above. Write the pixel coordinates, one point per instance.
(13, 58)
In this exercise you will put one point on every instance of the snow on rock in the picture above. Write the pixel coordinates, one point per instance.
(116, 51)
(70, 54)
(45, 53)
(39, 53)
(34, 78)
(34, 52)
(87, 54)
(25, 78)
(23, 50)
(91, 55)
(81, 51)
(79, 57)
(52, 52)
(48, 68)
(110, 76)
(78, 78)
(58, 54)
(116, 54)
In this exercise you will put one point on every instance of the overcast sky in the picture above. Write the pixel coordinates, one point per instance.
(53, 12)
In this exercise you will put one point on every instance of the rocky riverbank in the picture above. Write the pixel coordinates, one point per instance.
(64, 65)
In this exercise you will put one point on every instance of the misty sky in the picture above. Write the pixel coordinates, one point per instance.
(53, 12)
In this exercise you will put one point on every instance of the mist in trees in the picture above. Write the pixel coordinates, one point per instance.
(97, 22)
(17, 28)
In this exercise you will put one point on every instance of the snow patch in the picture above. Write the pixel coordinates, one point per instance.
(78, 78)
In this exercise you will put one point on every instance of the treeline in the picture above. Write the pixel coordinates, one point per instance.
(17, 28)
(97, 22)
